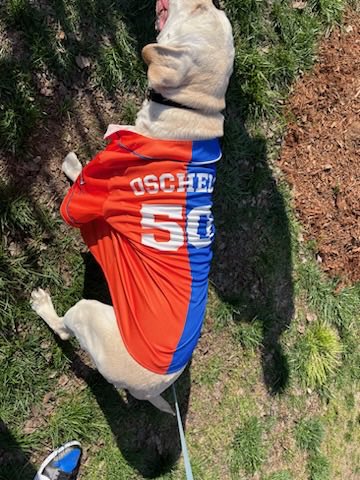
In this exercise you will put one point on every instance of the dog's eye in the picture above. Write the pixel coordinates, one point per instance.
(217, 4)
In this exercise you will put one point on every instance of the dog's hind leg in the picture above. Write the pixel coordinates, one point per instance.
(43, 306)
(94, 325)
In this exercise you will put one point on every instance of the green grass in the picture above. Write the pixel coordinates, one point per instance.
(48, 41)
(19, 110)
(110, 465)
(248, 450)
(321, 294)
(317, 356)
(213, 369)
(249, 334)
(284, 475)
(119, 65)
(271, 53)
(319, 468)
(260, 354)
(309, 435)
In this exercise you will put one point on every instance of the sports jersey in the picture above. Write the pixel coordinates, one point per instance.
(144, 209)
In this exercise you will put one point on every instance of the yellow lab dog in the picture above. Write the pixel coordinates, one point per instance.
(188, 72)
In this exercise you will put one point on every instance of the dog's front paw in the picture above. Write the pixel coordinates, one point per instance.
(41, 302)
(71, 166)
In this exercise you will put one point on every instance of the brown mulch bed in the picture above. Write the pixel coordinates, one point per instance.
(321, 152)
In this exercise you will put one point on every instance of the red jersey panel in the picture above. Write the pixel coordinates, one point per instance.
(144, 209)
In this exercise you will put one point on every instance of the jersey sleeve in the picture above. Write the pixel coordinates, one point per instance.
(84, 201)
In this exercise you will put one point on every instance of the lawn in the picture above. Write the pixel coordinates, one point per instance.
(272, 392)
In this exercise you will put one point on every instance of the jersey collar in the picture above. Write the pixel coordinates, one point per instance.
(195, 151)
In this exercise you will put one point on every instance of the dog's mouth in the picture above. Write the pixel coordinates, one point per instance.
(162, 12)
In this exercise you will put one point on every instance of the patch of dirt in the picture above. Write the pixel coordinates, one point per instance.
(38, 171)
(321, 153)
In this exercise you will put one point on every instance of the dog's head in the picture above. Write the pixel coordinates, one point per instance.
(193, 59)
(174, 9)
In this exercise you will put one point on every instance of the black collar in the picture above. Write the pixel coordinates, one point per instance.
(158, 98)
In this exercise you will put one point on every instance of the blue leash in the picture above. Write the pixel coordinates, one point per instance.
(187, 463)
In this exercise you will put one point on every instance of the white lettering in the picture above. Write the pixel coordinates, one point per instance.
(137, 186)
(211, 184)
(193, 224)
(151, 184)
(163, 178)
(203, 179)
(187, 183)
(175, 231)
(168, 183)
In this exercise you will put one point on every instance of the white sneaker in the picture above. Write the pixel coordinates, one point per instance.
(61, 464)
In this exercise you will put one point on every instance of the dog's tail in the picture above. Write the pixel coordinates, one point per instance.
(161, 404)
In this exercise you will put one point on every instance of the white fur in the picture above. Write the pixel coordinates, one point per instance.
(71, 166)
(191, 64)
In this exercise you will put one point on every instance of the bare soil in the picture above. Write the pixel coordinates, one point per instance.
(321, 153)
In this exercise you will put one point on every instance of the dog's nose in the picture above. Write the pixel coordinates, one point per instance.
(217, 4)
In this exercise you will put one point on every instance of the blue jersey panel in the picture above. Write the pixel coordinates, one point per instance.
(200, 232)
(206, 151)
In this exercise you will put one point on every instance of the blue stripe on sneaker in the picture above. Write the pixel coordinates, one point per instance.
(69, 461)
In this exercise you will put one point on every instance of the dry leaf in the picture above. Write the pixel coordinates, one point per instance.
(301, 329)
(47, 91)
(299, 5)
(61, 35)
(63, 380)
(82, 62)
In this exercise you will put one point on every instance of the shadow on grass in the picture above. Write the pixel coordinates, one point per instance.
(39, 69)
(147, 438)
(252, 268)
(14, 462)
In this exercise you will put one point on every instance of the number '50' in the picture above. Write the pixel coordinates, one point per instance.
(176, 232)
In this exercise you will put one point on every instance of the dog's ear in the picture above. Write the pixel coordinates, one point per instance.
(167, 65)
